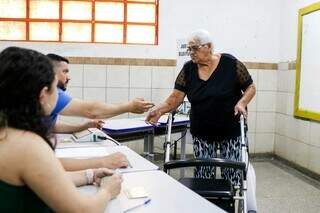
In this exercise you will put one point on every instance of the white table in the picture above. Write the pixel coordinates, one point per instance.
(136, 162)
(136, 127)
(166, 194)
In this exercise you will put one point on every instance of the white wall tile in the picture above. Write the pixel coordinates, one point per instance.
(280, 145)
(95, 75)
(251, 139)
(281, 102)
(94, 94)
(140, 93)
(265, 122)
(280, 124)
(264, 143)
(117, 76)
(303, 131)
(291, 127)
(266, 101)
(162, 77)
(283, 81)
(290, 103)
(159, 95)
(140, 76)
(252, 117)
(75, 92)
(252, 106)
(315, 134)
(117, 95)
(76, 75)
(254, 75)
(291, 149)
(267, 80)
(292, 81)
(314, 159)
(301, 154)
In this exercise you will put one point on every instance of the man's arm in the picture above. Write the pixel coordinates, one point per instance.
(100, 110)
(112, 161)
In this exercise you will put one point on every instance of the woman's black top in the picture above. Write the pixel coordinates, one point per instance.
(19, 199)
(213, 101)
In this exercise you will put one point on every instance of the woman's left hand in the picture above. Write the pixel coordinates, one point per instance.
(240, 108)
(95, 124)
(98, 174)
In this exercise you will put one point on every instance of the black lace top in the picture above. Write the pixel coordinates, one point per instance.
(213, 101)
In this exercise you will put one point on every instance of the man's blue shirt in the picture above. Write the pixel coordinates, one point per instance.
(63, 100)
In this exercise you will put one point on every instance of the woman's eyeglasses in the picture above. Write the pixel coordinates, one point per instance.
(194, 48)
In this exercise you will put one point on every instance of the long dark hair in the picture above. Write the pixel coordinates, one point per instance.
(23, 74)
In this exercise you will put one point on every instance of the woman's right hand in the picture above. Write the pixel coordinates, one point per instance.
(153, 117)
(112, 184)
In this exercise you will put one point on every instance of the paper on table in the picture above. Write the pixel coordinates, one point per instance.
(82, 152)
(136, 192)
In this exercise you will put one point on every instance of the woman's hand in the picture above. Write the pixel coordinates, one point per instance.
(240, 108)
(153, 117)
(98, 174)
(115, 160)
(112, 184)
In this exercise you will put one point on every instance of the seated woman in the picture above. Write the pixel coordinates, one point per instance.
(32, 178)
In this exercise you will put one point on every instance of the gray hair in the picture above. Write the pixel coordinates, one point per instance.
(201, 36)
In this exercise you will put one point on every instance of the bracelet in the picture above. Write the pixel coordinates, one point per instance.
(89, 175)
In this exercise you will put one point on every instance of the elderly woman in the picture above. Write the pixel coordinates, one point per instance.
(32, 179)
(219, 88)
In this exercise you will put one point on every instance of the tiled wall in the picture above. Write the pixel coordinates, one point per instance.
(296, 140)
(120, 83)
(262, 111)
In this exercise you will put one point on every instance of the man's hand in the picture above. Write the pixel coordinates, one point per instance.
(139, 105)
(240, 108)
(153, 117)
(115, 160)
(95, 124)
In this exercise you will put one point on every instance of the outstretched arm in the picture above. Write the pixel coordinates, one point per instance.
(62, 127)
(100, 110)
(171, 103)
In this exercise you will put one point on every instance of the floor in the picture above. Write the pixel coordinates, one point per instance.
(280, 189)
(283, 189)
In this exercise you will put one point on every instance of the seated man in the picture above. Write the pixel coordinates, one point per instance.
(66, 105)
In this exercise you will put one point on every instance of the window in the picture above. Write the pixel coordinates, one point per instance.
(107, 21)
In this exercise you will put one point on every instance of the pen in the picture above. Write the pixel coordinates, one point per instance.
(137, 206)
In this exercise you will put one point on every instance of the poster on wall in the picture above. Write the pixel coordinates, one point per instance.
(182, 54)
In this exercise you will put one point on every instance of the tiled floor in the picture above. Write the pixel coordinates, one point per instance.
(283, 189)
(280, 189)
